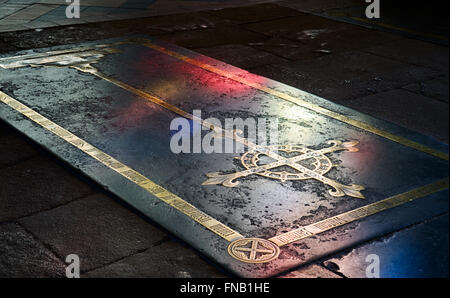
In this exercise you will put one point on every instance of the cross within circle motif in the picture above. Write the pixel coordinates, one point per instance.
(253, 250)
(319, 165)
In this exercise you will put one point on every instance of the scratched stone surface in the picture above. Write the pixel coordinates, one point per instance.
(136, 132)
(401, 254)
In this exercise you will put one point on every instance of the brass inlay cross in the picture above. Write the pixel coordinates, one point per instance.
(321, 166)
(253, 250)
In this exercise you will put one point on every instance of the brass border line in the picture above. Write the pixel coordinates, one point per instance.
(299, 101)
(132, 175)
(359, 213)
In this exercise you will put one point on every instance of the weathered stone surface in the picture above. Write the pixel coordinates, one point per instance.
(435, 88)
(413, 111)
(13, 147)
(241, 56)
(23, 256)
(5, 48)
(35, 185)
(315, 36)
(86, 32)
(96, 228)
(318, 5)
(72, 34)
(311, 271)
(213, 37)
(403, 254)
(175, 22)
(16, 14)
(345, 76)
(292, 49)
(254, 13)
(414, 52)
(169, 259)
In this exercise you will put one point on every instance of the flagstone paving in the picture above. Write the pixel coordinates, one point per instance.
(402, 254)
(25, 14)
(61, 212)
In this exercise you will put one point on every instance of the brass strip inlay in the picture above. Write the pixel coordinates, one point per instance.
(359, 213)
(127, 172)
(89, 69)
(299, 101)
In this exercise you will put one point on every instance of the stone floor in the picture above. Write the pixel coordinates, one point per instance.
(385, 75)
(25, 14)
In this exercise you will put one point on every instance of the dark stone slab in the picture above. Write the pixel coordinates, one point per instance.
(404, 254)
(436, 88)
(407, 109)
(209, 37)
(13, 148)
(76, 33)
(254, 13)
(311, 6)
(177, 22)
(292, 49)
(414, 19)
(166, 260)
(414, 52)
(391, 160)
(97, 229)
(41, 183)
(344, 76)
(5, 48)
(24, 257)
(316, 35)
(311, 271)
(241, 56)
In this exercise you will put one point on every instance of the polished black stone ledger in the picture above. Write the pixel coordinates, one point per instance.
(135, 131)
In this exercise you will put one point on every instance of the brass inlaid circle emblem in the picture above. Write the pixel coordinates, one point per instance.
(289, 162)
(319, 163)
(253, 250)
